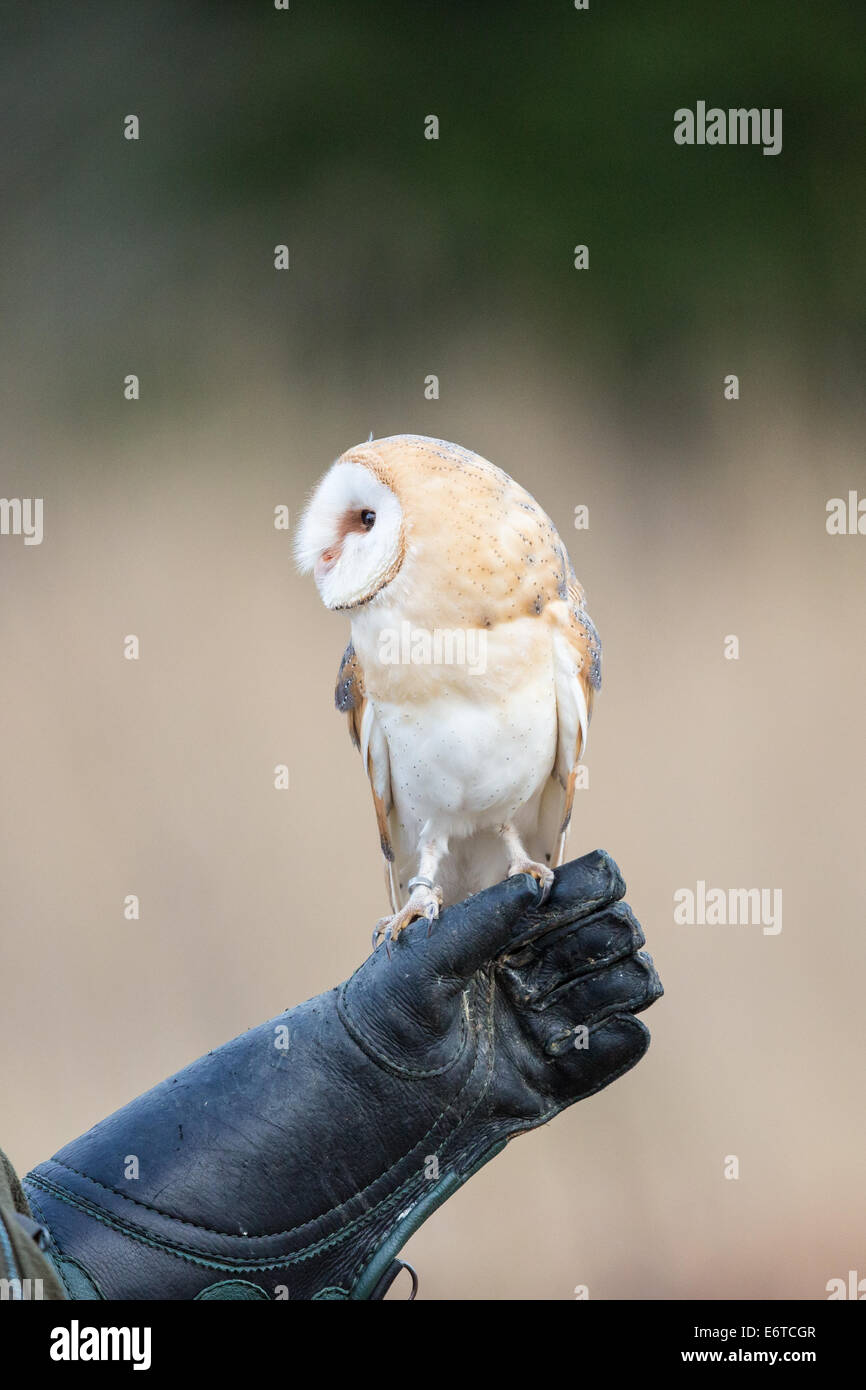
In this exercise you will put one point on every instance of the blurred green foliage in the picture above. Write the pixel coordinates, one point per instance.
(307, 126)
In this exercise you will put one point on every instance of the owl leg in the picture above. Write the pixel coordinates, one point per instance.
(425, 896)
(519, 861)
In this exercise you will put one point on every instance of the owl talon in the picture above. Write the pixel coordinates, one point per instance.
(546, 885)
(423, 904)
(540, 872)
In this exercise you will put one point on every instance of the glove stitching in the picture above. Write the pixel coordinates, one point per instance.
(293, 1230)
(40, 1215)
(376, 1055)
(180, 1251)
(185, 1252)
(491, 1050)
(188, 1252)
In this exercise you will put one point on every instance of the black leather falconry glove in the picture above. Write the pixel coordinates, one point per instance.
(295, 1161)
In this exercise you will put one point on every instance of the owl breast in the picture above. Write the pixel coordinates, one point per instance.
(467, 752)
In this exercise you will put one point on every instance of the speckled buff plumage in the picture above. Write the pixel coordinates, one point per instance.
(437, 555)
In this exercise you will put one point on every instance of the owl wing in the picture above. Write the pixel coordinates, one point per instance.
(366, 734)
(577, 676)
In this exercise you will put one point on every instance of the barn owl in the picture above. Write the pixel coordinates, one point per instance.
(469, 678)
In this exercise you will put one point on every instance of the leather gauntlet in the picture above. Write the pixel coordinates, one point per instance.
(295, 1161)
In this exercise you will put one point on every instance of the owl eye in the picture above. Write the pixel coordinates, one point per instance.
(368, 519)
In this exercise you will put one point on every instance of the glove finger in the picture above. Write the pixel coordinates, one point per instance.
(415, 988)
(580, 889)
(469, 935)
(627, 986)
(611, 1048)
(529, 973)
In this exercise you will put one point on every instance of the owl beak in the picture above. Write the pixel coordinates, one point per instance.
(327, 561)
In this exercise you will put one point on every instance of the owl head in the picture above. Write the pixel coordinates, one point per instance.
(351, 535)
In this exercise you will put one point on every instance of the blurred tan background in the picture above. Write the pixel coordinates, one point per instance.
(707, 518)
